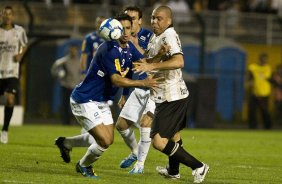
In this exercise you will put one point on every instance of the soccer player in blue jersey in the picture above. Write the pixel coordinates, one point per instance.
(90, 45)
(111, 68)
(139, 108)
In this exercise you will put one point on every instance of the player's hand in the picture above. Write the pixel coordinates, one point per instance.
(152, 82)
(163, 50)
(121, 101)
(142, 66)
(17, 58)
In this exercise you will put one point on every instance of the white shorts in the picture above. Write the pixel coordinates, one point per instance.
(137, 104)
(91, 114)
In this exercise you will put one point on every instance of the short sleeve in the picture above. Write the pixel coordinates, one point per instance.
(86, 45)
(171, 38)
(23, 38)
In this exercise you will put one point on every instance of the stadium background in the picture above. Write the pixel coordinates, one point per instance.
(219, 69)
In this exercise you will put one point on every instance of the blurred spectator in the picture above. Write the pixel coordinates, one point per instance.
(90, 45)
(259, 6)
(260, 90)
(277, 89)
(233, 18)
(180, 10)
(49, 3)
(160, 3)
(277, 7)
(67, 71)
(198, 5)
(217, 4)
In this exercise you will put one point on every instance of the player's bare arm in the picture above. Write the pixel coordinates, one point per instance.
(19, 56)
(174, 62)
(125, 82)
(83, 61)
(121, 101)
(160, 56)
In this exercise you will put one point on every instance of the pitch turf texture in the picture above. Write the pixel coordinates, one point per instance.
(234, 156)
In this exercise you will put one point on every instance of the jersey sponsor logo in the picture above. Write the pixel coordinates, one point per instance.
(6, 72)
(100, 73)
(5, 47)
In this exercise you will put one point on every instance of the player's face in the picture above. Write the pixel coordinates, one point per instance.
(126, 24)
(136, 21)
(160, 21)
(7, 16)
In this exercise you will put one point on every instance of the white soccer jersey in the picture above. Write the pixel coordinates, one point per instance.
(11, 42)
(173, 88)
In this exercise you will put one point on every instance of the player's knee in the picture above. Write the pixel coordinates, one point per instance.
(121, 124)
(158, 145)
(146, 120)
(10, 101)
(106, 141)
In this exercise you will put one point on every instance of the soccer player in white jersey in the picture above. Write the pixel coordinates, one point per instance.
(139, 108)
(171, 98)
(13, 44)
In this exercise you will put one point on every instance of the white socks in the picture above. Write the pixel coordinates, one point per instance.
(83, 140)
(93, 153)
(129, 138)
(144, 144)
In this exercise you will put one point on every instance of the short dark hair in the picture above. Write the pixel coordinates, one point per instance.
(123, 16)
(134, 8)
(8, 8)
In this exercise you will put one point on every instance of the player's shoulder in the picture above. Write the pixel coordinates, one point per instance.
(91, 36)
(170, 31)
(145, 33)
(108, 47)
(252, 66)
(18, 27)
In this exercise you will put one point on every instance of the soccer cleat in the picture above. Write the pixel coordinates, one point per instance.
(4, 137)
(200, 173)
(86, 171)
(164, 172)
(128, 161)
(65, 152)
(138, 168)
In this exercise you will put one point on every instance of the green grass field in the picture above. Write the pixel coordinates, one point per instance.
(234, 156)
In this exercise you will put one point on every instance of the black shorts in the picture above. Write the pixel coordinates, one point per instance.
(9, 85)
(170, 118)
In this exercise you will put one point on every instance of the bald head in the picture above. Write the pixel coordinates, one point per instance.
(161, 19)
(166, 11)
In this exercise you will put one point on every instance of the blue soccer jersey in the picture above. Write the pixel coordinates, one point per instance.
(144, 36)
(109, 59)
(89, 45)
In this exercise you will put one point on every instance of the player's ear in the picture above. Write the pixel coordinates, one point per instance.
(169, 21)
(140, 21)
